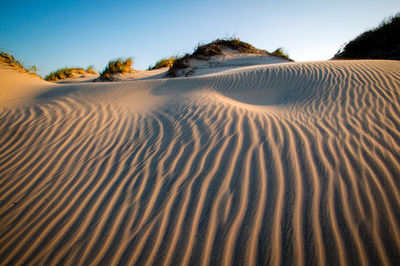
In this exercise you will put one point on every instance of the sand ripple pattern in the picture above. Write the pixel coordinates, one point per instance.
(312, 176)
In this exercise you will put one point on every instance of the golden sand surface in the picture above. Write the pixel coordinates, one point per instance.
(293, 163)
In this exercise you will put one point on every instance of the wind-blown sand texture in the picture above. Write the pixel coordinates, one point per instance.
(295, 163)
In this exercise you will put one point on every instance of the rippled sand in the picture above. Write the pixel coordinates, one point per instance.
(293, 163)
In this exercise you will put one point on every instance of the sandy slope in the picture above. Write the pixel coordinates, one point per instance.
(16, 86)
(279, 164)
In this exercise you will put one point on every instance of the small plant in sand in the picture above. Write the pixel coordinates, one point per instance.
(382, 42)
(280, 52)
(33, 70)
(117, 66)
(165, 62)
(90, 70)
(12, 61)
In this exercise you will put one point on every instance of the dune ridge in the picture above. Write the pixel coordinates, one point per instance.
(281, 164)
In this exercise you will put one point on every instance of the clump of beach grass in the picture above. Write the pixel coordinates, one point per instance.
(280, 52)
(117, 66)
(90, 70)
(64, 73)
(165, 62)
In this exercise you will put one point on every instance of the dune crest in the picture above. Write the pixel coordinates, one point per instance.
(16, 85)
(228, 60)
(278, 164)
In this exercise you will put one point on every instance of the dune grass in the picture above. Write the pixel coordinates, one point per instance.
(216, 48)
(382, 42)
(90, 70)
(116, 66)
(69, 72)
(165, 62)
(205, 51)
(12, 61)
(280, 52)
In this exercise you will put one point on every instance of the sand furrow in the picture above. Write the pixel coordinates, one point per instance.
(277, 164)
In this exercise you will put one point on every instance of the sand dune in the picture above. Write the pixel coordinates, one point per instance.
(230, 59)
(16, 86)
(293, 163)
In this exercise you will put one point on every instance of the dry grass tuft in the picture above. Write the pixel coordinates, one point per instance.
(280, 52)
(90, 70)
(68, 72)
(117, 66)
(165, 62)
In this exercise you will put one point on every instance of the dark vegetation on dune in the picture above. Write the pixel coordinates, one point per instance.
(13, 62)
(69, 72)
(117, 66)
(382, 42)
(205, 51)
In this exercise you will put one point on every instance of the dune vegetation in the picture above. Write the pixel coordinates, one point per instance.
(64, 73)
(217, 47)
(165, 62)
(382, 42)
(12, 61)
(117, 66)
(280, 52)
(69, 72)
(90, 70)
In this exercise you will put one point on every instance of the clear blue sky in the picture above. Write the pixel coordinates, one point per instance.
(53, 34)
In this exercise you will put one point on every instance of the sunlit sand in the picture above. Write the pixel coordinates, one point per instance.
(259, 163)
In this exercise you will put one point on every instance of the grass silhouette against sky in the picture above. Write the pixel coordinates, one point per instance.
(54, 34)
